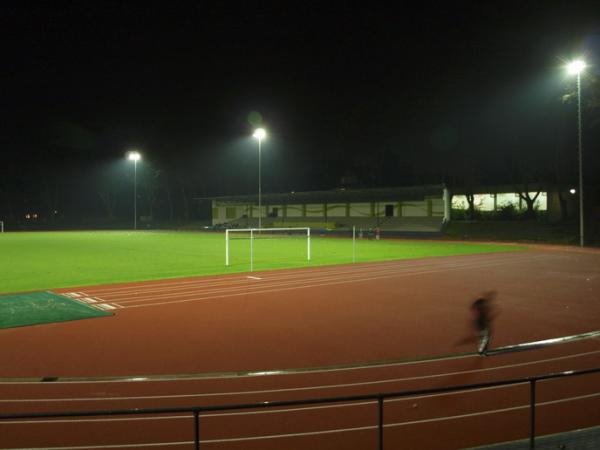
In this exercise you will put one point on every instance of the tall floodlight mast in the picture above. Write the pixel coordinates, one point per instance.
(259, 134)
(575, 68)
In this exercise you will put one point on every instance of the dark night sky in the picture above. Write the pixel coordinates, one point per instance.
(344, 88)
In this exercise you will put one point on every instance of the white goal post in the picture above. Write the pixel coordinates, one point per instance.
(261, 233)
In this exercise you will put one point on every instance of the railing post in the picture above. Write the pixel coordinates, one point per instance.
(532, 414)
(380, 420)
(197, 430)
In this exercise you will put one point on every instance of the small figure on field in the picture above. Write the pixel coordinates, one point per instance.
(377, 232)
(484, 315)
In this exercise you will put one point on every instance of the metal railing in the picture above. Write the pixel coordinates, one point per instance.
(197, 411)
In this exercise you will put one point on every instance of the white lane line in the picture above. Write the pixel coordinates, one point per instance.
(330, 431)
(170, 285)
(144, 295)
(307, 286)
(296, 284)
(398, 424)
(105, 306)
(91, 447)
(324, 271)
(495, 411)
(200, 286)
(316, 408)
(275, 283)
(296, 389)
(261, 411)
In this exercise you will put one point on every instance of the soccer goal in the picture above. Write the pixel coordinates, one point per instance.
(282, 243)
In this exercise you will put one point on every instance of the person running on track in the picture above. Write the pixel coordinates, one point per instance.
(482, 321)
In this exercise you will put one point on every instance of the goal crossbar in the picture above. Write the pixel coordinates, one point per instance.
(257, 233)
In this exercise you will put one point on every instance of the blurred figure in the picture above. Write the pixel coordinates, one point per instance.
(484, 315)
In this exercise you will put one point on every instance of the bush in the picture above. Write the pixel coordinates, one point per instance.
(463, 214)
(507, 212)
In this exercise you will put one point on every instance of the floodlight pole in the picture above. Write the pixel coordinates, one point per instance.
(259, 134)
(580, 154)
(134, 156)
(135, 194)
(575, 68)
(259, 185)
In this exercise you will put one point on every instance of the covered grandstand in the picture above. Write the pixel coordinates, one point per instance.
(420, 209)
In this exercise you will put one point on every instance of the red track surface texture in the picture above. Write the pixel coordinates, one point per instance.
(355, 314)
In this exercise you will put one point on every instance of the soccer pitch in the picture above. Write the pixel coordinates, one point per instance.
(46, 260)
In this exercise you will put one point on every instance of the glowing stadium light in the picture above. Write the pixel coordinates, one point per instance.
(134, 156)
(576, 67)
(260, 134)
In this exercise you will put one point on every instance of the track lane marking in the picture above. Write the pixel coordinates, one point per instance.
(170, 285)
(330, 431)
(276, 283)
(306, 286)
(304, 388)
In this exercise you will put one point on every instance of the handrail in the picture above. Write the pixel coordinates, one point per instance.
(380, 397)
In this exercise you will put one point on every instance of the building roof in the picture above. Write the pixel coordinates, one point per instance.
(338, 196)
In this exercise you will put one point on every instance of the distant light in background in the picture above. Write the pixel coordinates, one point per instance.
(572, 191)
(135, 157)
(576, 67)
(260, 134)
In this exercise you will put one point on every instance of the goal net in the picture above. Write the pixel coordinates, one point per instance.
(271, 246)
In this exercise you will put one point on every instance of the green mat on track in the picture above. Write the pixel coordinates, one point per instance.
(20, 310)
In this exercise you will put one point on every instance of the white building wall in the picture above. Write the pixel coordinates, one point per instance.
(414, 209)
(437, 207)
(336, 210)
(315, 210)
(294, 211)
(360, 210)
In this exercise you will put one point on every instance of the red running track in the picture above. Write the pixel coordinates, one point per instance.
(328, 317)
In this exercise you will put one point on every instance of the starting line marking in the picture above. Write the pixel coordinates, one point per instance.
(95, 302)
(105, 306)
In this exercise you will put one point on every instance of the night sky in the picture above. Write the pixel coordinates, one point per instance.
(352, 94)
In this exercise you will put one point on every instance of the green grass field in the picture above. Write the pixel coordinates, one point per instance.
(46, 260)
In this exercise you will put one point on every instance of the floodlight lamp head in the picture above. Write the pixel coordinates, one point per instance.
(576, 67)
(134, 156)
(260, 134)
